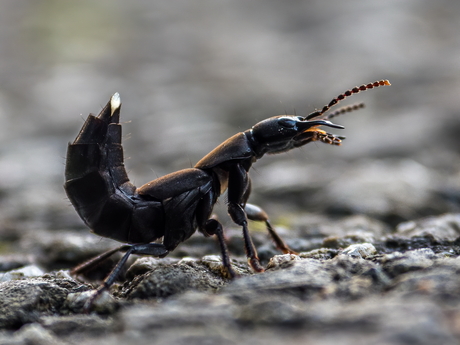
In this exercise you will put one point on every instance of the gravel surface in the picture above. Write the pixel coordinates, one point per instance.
(376, 222)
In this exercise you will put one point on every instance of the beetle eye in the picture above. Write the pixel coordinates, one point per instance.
(287, 122)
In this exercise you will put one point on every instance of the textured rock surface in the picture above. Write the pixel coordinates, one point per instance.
(366, 292)
(375, 221)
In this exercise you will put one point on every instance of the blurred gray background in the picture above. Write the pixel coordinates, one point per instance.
(193, 73)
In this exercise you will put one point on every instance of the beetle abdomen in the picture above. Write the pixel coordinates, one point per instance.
(98, 186)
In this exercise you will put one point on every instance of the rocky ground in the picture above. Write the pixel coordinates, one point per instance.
(355, 280)
(376, 222)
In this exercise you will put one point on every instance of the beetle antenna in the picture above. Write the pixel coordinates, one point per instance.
(342, 96)
(346, 109)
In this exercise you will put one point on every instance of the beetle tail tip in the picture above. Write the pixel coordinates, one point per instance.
(115, 102)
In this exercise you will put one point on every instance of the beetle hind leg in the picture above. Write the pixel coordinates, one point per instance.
(152, 249)
(94, 262)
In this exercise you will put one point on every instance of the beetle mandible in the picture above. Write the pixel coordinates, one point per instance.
(174, 206)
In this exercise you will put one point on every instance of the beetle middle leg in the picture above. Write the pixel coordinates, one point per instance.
(214, 227)
(211, 226)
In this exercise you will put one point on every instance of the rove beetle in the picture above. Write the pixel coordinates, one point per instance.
(171, 208)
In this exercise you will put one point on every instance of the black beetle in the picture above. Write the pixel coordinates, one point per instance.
(172, 207)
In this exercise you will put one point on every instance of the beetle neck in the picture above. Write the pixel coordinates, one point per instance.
(256, 147)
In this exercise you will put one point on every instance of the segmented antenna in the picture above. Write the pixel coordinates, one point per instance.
(343, 110)
(357, 89)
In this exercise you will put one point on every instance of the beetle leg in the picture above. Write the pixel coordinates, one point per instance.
(257, 214)
(153, 249)
(90, 264)
(251, 251)
(214, 227)
(237, 186)
(108, 282)
(211, 226)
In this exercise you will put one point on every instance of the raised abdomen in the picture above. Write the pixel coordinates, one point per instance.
(98, 187)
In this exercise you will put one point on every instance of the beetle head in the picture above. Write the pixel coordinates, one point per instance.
(285, 132)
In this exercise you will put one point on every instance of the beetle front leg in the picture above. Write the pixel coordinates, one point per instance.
(238, 182)
(257, 214)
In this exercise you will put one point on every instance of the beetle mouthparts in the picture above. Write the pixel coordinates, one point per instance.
(325, 123)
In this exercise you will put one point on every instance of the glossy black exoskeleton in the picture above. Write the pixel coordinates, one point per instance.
(174, 206)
